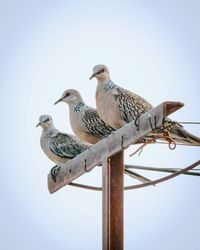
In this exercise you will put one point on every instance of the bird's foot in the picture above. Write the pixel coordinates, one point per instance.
(54, 172)
(147, 141)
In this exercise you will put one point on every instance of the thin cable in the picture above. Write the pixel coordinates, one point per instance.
(195, 123)
(165, 170)
(160, 180)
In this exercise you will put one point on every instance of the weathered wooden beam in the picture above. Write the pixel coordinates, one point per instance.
(114, 143)
(113, 202)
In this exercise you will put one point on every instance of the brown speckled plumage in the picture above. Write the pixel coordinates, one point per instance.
(130, 105)
(95, 125)
(59, 147)
(118, 106)
(85, 121)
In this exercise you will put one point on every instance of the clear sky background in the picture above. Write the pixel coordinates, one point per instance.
(151, 48)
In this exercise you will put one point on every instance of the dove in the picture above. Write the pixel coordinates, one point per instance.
(58, 147)
(86, 123)
(118, 106)
(84, 120)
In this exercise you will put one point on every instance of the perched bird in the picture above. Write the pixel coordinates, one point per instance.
(84, 120)
(58, 147)
(86, 123)
(118, 106)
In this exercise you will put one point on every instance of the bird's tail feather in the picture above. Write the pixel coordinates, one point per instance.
(181, 135)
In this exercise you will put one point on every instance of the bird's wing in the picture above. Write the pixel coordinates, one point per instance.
(65, 145)
(95, 125)
(130, 104)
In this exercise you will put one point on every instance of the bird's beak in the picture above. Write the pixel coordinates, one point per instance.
(93, 75)
(59, 100)
(38, 124)
(96, 73)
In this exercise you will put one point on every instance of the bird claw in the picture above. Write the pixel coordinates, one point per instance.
(54, 172)
(154, 127)
(137, 122)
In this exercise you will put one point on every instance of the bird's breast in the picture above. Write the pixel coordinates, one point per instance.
(107, 108)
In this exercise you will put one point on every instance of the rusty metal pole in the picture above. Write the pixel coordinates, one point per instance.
(113, 202)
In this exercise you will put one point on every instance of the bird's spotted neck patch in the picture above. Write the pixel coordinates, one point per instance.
(109, 85)
(80, 107)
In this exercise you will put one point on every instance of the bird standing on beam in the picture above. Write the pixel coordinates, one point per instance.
(84, 120)
(87, 124)
(118, 106)
(59, 147)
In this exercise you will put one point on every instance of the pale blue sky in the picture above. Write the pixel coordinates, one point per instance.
(151, 48)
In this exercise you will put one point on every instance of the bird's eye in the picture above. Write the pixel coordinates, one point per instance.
(47, 120)
(101, 71)
(68, 94)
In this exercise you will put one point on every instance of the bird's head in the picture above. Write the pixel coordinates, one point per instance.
(101, 72)
(45, 121)
(70, 96)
